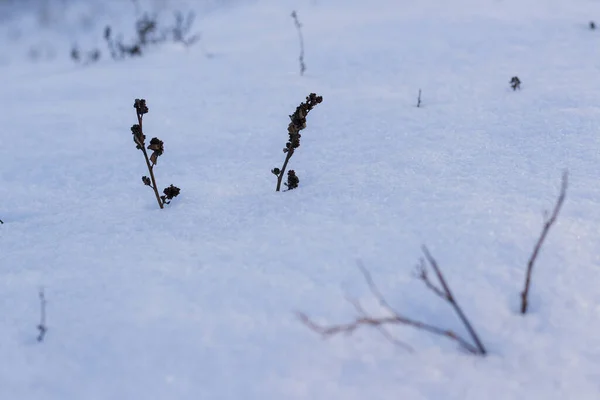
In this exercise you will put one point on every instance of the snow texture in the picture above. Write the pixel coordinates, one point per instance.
(198, 301)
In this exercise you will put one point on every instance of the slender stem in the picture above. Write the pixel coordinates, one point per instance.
(42, 326)
(547, 225)
(282, 172)
(301, 38)
(452, 301)
(150, 168)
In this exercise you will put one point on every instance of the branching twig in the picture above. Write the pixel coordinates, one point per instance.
(301, 38)
(396, 318)
(547, 225)
(360, 310)
(450, 298)
(42, 328)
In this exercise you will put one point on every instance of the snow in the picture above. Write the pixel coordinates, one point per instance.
(198, 301)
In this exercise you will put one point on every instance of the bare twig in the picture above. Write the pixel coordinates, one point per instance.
(42, 328)
(450, 298)
(301, 39)
(396, 318)
(359, 309)
(419, 99)
(547, 225)
(424, 276)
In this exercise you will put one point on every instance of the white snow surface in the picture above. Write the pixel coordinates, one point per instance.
(198, 301)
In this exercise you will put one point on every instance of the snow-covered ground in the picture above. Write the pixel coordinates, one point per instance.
(198, 301)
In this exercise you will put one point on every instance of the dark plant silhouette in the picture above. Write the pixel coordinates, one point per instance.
(301, 39)
(297, 123)
(148, 33)
(592, 25)
(180, 32)
(85, 58)
(419, 99)
(292, 180)
(441, 290)
(42, 328)
(538, 245)
(157, 147)
(515, 83)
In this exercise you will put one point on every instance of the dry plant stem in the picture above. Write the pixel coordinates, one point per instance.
(450, 298)
(419, 99)
(394, 319)
(288, 155)
(378, 322)
(547, 225)
(150, 167)
(380, 328)
(42, 326)
(301, 38)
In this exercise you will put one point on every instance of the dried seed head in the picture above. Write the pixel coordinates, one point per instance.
(138, 137)
(298, 120)
(169, 193)
(515, 82)
(146, 181)
(292, 180)
(140, 106)
(156, 145)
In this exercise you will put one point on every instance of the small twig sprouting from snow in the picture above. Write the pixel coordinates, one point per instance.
(301, 38)
(42, 328)
(395, 318)
(547, 225)
(449, 297)
(419, 99)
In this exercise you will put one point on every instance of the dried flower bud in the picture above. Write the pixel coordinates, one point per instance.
(138, 136)
(515, 83)
(276, 171)
(140, 106)
(157, 145)
(170, 192)
(292, 180)
(146, 181)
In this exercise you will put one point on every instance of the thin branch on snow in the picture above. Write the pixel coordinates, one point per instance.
(361, 311)
(419, 99)
(301, 39)
(396, 318)
(449, 297)
(547, 225)
(42, 328)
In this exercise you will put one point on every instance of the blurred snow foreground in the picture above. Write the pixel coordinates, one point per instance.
(105, 296)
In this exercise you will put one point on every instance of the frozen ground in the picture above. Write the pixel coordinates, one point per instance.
(197, 301)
